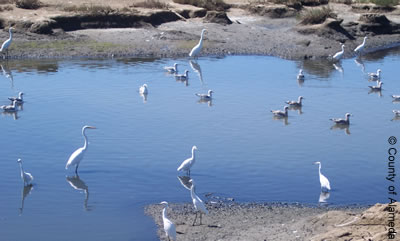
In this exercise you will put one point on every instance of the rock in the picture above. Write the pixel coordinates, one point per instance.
(377, 24)
(363, 8)
(217, 17)
(44, 27)
(272, 11)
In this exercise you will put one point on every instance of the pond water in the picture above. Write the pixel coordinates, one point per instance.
(243, 152)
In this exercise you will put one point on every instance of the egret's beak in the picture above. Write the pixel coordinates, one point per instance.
(91, 127)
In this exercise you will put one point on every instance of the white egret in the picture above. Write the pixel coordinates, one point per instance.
(341, 121)
(322, 179)
(339, 54)
(360, 47)
(396, 97)
(25, 176)
(143, 90)
(196, 49)
(172, 69)
(7, 43)
(207, 96)
(198, 204)
(280, 113)
(300, 75)
(293, 103)
(182, 76)
(375, 76)
(169, 226)
(19, 99)
(76, 157)
(377, 87)
(188, 163)
(10, 108)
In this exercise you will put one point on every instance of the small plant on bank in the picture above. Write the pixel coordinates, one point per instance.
(151, 4)
(316, 15)
(28, 4)
(216, 5)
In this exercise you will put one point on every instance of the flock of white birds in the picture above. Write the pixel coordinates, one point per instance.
(169, 227)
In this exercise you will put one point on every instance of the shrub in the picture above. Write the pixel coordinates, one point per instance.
(151, 4)
(385, 2)
(216, 5)
(28, 4)
(316, 15)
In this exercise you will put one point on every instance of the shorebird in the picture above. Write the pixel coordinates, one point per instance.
(25, 176)
(7, 43)
(396, 112)
(339, 54)
(172, 69)
(197, 203)
(19, 99)
(207, 96)
(10, 108)
(293, 103)
(196, 49)
(360, 47)
(325, 185)
(378, 87)
(169, 226)
(375, 76)
(340, 121)
(300, 75)
(396, 97)
(182, 76)
(143, 89)
(280, 113)
(188, 163)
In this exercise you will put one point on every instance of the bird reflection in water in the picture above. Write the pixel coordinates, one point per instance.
(79, 184)
(26, 190)
(360, 64)
(209, 102)
(323, 197)
(13, 114)
(8, 74)
(376, 91)
(298, 108)
(344, 127)
(184, 180)
(197, 69)
(144, 96)
(283, 119)
(338, 67)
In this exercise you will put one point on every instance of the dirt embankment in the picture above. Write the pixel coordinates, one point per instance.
(280, 222)
(63, 30)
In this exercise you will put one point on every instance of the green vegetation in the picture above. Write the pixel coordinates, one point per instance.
(28, 4)
(316, 15)
(151, 4)
(217, 5)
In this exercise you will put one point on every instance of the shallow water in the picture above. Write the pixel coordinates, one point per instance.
(132, 158)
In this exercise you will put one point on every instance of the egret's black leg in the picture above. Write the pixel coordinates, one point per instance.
(76, 169)
(194, 220)
(200, 217)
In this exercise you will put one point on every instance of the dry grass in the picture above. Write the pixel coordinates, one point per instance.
(7, 1)
(28, 4)
(91, 8)
(151, 4)
(217, 5)
(385, 2)
(316, 15)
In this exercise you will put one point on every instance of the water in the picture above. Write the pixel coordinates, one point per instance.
(133, 155)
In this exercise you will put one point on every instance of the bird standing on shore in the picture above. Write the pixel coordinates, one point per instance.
(25, 176)
(279, 113)
(198, 204)
(339, 54)
(169, 226)
(172, 69)
(76, 157)
(7, 43)
(340, 121)
(360, 47)
(294, 103)
(196, 49)
(19, 99)
(188, 163)
(325, 185)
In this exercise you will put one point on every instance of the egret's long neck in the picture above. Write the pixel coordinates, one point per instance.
(364, 41)
(10, 34)
(319, 169)
(164, 213)
(21, 168)
(342, 48)
(193, 155)
(201, 39)
(86, 140)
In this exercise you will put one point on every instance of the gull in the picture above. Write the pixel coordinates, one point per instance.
(143, 90)
(396, 97)
(396, 112)
(339, 54)
(25, 176)
(279, 113)
(293, 103)
(188, 163)
(182, 76)
(171, 69)
(19, 99)
(360, 47)
(378, 87)
(207, 96)
(375, 76)
(300, 75)
(340, 121)
(10, 108)
(198, 204)
(169, 226)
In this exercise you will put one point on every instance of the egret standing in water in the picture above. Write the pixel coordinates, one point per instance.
(339, 54)
(196, 49)
(198, 204)
(7, 43)
(188, 163)
(25, 176)
(169, 226)
(322, 179)
(76, 157)
(360, 47)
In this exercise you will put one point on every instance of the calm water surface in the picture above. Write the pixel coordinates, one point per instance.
(132, 158)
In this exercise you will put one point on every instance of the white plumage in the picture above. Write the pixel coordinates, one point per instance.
(339, 54)
(198, 204)
(7, 43)
(377, 87)
(172, 69)
(143, 90)
(76, 157)
(375, 76)
(360, 47)
(207, 96)
(396, 112)
(322, 179)
(182, 76)
(294, 103)
(341, 121)
(396, 97)
(19, 99)
(10, 108)
(26, 177)
(300, 76)
(188, 163)
(169, 226)
(196, 49)
(280, 113)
